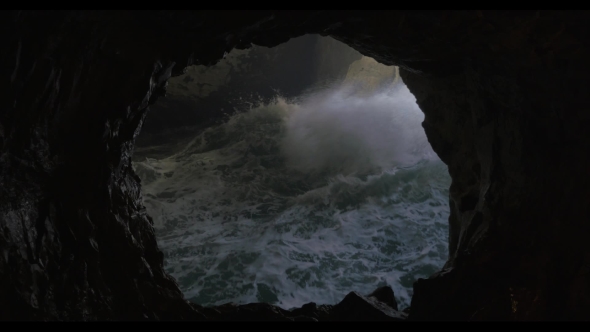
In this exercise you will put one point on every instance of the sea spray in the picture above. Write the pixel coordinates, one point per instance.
(303, 200)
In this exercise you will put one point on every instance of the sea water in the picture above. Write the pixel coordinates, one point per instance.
(303, 200)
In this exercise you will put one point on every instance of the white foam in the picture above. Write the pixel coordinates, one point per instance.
(307, 200)
(337, 129)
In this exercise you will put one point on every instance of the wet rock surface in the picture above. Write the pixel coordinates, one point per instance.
(378, 306)
(384, 294)
(504, 94)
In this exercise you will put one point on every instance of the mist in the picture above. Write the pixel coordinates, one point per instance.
(302, 196)
(346, 132)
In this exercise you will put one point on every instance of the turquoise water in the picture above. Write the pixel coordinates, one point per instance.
(303, 200)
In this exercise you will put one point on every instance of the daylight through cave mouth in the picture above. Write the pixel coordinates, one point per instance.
(293, 174)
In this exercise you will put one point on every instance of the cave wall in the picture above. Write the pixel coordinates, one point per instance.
(504, 94)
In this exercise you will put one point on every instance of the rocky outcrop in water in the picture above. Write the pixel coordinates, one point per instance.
(506, 107)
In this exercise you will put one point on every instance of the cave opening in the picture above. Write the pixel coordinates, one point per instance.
(506, 109)
(293, 174)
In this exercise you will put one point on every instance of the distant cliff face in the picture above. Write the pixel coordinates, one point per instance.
(200, 81)
(370, 75)
(506, 108)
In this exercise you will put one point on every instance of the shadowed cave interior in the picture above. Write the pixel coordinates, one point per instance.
(505, 106)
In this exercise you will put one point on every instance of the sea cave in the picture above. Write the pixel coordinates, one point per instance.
(294, 165)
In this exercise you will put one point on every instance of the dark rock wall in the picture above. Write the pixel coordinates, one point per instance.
(506, 107)
(76, 242)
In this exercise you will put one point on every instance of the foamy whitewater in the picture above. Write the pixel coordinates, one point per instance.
(303, 201)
